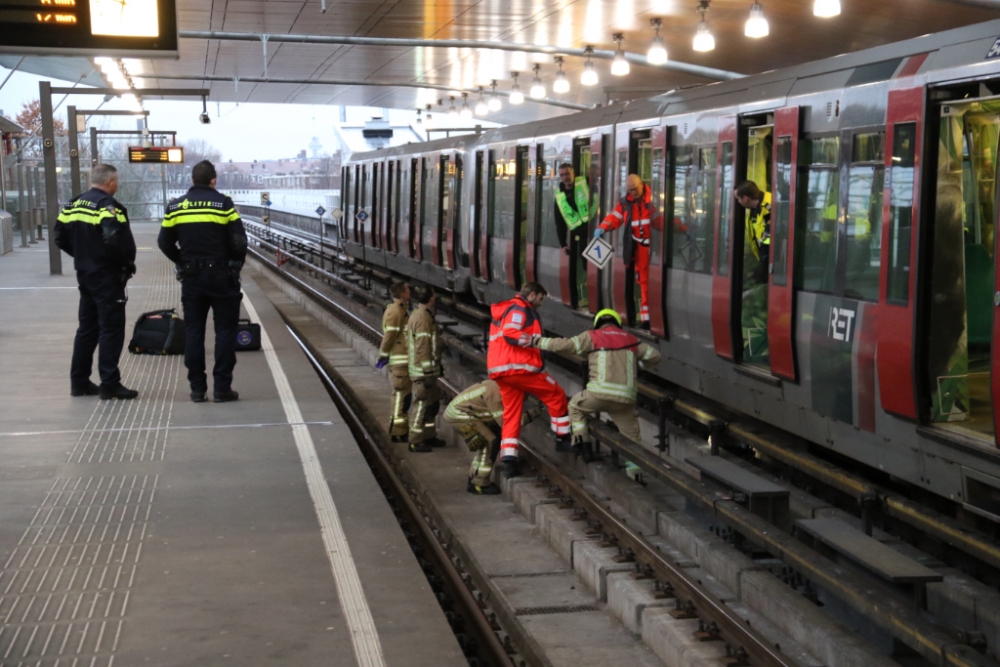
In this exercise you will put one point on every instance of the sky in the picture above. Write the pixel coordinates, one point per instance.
(241, 132)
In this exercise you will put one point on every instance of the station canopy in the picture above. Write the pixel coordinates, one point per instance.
(407, 54)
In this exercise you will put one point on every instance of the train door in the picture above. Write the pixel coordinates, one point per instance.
(358, 185)
(530, 234)
(659, 150)
(377, 217)
(599, 165)
(963, 318)
(389, 228)
(446, 234)
(550, 260)
(517, 259)
(573, 267)
(477, 228)
(430, 213)
(503, 197)
(724, 319)
(416, 202)
(345, 186)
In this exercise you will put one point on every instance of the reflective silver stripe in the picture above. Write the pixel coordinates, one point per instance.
(392, 328)
(509, 441)
(618, 215)
(515, 367)
(640, 241)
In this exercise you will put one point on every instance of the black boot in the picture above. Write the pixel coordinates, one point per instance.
(88, 389)
(121, 392)
(511, 467)
(564, 443)
(421, 447)
(490, 489)
(586, 450)
(198, 397)
(226, 396)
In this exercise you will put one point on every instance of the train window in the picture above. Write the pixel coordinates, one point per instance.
(429, 209)
(549, 236)
(411, 208)
(446, 188)
(388, 225)
(504, 198)
(346, 187)
(682, 203)
(818, 201)
(901, 194)
(780, 211)
(525, 174)
(398, 200)
(357, 199)
(462, 221)
(863, 228)
(376, 219)
(726, 208)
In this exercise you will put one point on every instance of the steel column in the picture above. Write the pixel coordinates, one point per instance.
(31, 188)
(74, 153)
(51, 193)
(21, 217)
(94, 156)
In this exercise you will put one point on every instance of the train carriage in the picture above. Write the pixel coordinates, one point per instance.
(872, 331)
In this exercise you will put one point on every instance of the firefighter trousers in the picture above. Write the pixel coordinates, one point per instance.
(401, 387)
(585, 406)
(543, 387)
(485, 443)
(426, 403)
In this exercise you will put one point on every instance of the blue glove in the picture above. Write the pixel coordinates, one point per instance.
(382, 363)
(598, 232)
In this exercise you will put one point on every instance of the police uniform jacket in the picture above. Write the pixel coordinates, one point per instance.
(94, 230)
(613, 357)
(205, 224)
(423, 344)
(394, 321)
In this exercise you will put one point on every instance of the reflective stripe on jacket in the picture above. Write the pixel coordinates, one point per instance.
(423, 345)
(514, 324)
(641, 217)
(581, 198)
(614, 357)
(759, 224)
(394, 321)
(480, 402)
(94, 230)
(203, 225)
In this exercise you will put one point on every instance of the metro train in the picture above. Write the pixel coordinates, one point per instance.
(873, 335)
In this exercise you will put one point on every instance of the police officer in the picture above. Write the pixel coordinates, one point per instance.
(614, 357)
(94, 230)
(424, 349)
(573, 210)
(213, 247)
(477, 415)
(393, 353)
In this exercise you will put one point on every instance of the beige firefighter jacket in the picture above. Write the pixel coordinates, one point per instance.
(393, 346)
(424, 346)
(480, 402)
(612, 372)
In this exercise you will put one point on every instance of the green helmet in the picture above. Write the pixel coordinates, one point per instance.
(607, 312)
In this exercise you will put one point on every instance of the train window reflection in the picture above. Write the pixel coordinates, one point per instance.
(780, 212)
(726, 208)
(818, 199)
(864, 231)
(901, 211)
(656, 185)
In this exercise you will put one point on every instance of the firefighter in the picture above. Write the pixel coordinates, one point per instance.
(477, 415)
(637, 212)
(424, 365)
(614, 357)
(517, 366)
(393, 353)
(94, 230)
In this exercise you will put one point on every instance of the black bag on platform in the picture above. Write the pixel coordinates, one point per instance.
(158, 332)
(247, 336)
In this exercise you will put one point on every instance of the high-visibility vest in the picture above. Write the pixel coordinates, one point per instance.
(758, 229)
(510, 351)
(581, 194)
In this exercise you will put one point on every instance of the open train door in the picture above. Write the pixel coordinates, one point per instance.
(725, 323)
(659, 150)
(480, 229)
(896, 358)
(781, 293)
(596, 180)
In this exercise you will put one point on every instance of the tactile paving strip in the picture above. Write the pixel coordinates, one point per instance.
(64, 591)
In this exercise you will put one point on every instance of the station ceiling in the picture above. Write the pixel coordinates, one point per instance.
(222, 47)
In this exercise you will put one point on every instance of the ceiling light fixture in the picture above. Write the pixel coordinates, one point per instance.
(493, 104)
(756, 25)
(452, 111)
(466, 112)
(516, 96)
(619, 66)
(481, 108)
(826, 8)
(561, 84)
(589, 76)
(657, 54)
(537, 89)
(703, 39)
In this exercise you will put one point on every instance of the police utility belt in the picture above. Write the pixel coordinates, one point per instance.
(192, 267)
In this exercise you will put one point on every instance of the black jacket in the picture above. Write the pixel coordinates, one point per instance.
(203, 225)
(94, 230)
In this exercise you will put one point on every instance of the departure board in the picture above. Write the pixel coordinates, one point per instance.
(156, 154)
(138, 28)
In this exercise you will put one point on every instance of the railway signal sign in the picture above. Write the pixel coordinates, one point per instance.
(266, 219)
(265, 198)
(362, 216)
(320, 211)
(336, 213)
(598, 253)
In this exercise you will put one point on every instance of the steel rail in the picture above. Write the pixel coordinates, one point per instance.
(361, 433)
(471, 44)
(906, 625)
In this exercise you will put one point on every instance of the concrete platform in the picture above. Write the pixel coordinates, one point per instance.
(162, 532)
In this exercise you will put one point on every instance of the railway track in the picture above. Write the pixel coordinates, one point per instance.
(906, 623)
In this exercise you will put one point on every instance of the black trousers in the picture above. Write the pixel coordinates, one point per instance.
(215, 289)
(102, 323)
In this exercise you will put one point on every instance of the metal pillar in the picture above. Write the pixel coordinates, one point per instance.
(95, 159)
(51, 193)
(40, 234)
(31, 188)
(22, 220)
(3, 175)
(74, 153)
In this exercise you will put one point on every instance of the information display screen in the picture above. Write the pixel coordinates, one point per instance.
(160, 154)
(142, 28)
